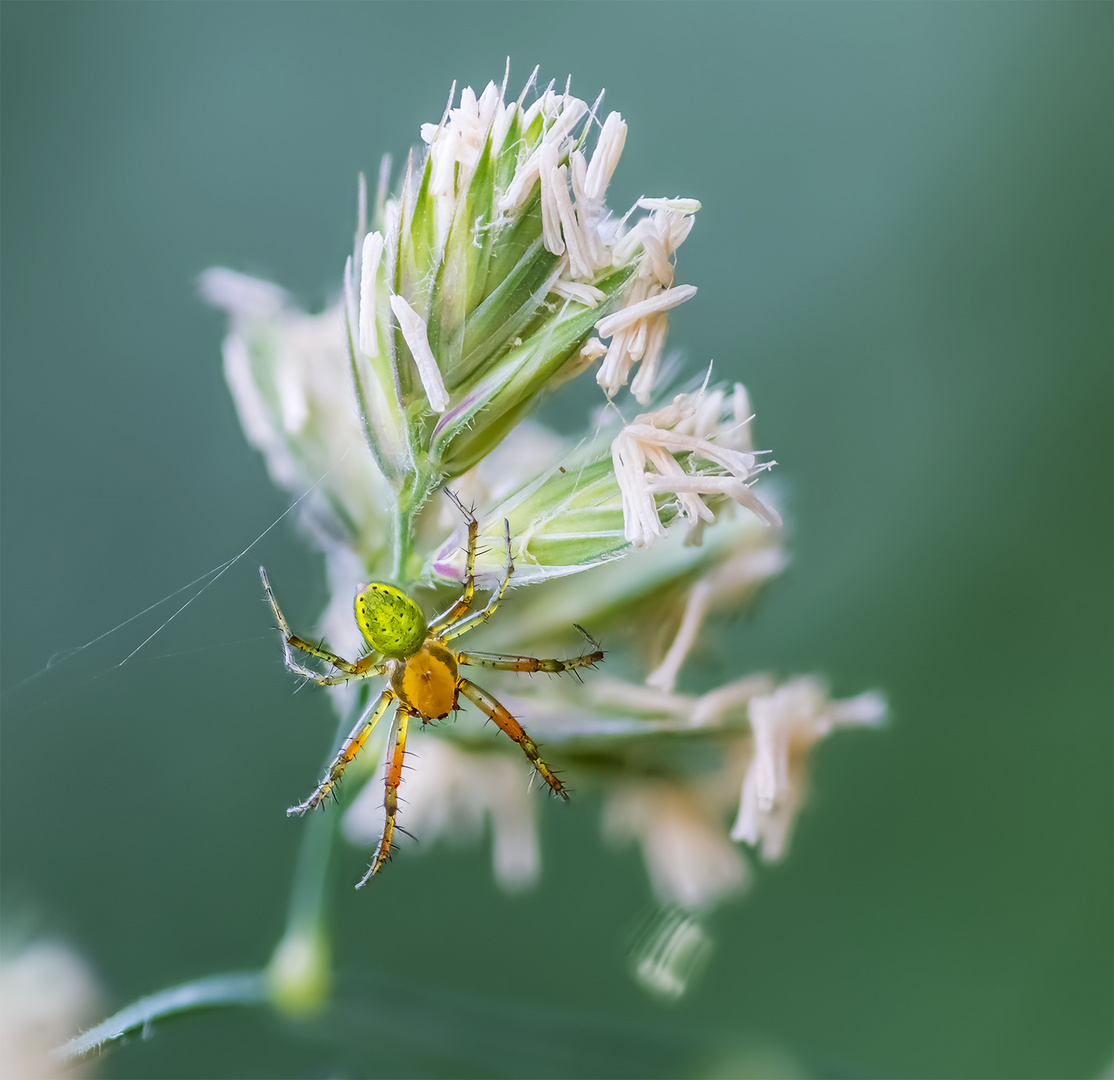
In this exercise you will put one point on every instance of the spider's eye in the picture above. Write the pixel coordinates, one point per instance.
(390, 621)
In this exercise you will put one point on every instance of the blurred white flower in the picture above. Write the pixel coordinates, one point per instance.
(690, 860)
(290, 380)
(786, 725)
(726, 586)
(670, 952)
(723, 707)
(46, 993)
(746, 734)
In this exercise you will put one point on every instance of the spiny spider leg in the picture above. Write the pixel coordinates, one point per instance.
(366, 668)
(363, 668)
(390, 795)
(464, 604)
(508, 724)
(349, 749)
(289, 639)
(481, 617)
(507, 662)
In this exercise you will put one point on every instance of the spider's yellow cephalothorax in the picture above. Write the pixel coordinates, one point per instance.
(423, 673)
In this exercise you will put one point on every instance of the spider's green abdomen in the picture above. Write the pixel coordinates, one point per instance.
(390, 621)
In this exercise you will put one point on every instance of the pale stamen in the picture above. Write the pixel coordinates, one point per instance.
(663, 301)
(414, 332)
(369, 271)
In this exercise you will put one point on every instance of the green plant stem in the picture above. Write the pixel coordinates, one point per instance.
(304, 989)
(415, 490)
(215, 991)
(307, 895)
(401, 553)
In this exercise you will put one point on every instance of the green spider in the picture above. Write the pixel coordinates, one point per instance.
(423, 676)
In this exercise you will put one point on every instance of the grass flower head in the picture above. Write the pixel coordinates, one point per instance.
(492, 274)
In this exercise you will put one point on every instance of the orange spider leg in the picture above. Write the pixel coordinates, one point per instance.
(508, 724)
(464, 604)
(481, 617)
(505, 662)
(390, 795)
(349, 749)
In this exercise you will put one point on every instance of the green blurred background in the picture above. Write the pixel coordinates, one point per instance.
(904, 251)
